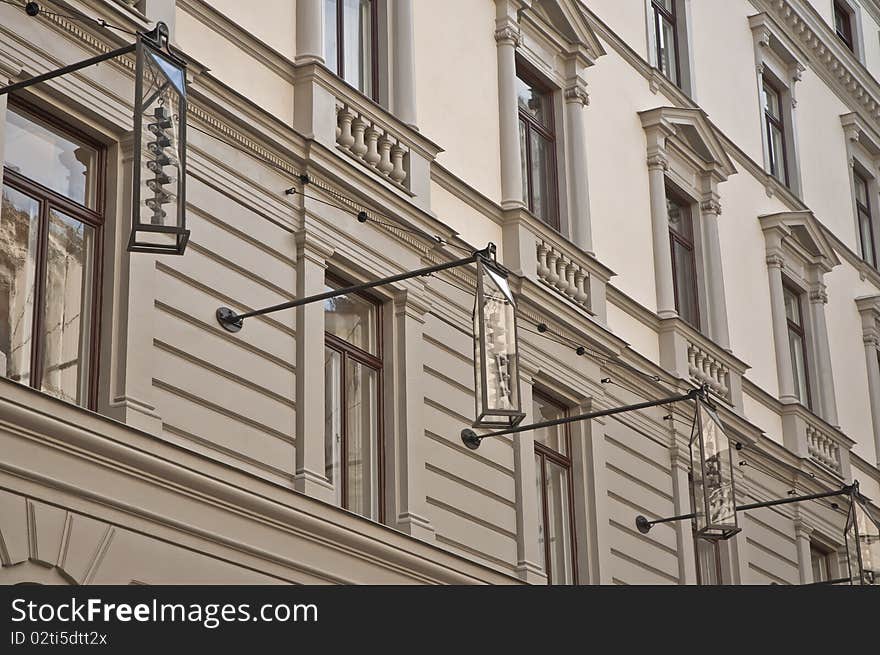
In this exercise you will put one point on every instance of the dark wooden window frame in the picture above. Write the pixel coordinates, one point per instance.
(864, 214)
(374, 46)
(375, 362)
(94, 218)
(548, 132)
(801, 331)
(564, 461)
(661, 14)
(690, 246)
(777, 122)
(845, 34)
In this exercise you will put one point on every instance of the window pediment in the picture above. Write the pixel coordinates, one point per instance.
(692, 134)
(858, 131)
(571, 28)
(797, 236)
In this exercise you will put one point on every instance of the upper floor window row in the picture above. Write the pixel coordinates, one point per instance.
(668, 40)
(537, 140)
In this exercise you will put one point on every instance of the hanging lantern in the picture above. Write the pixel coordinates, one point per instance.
(862, 536)
(496, 358)
(158, 179)
(712, 490)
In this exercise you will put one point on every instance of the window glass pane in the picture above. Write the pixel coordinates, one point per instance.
(361, 425)
(330, 43)
(357, 45)
(666, 55)
(333, 420)
(819, 560)
(777, 154)
(67, 307)
(552, 437)
(352, 319)
(680, 218)
(861, 189)
(524, 162)
(708, 561)
(771, 101)
(55, 161)
(866, 231)
(666, 4)
(559, 524)
(543, 194)
(792, 306)
(798, 365)
(18, 230)
(685, 281)
(534, 101)
(539, 486)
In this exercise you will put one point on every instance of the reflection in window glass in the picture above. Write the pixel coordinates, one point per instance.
(361, 395)
(537, 142)
(349, 42)
(67, 308)
(18, 254)
(352, 318)
(55, 161)
(797, 345)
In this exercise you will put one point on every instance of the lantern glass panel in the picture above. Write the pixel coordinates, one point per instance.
(495, 351)
(713, 490)
(862, 545)
(158, 212)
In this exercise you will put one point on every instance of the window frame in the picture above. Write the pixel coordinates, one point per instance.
(349, 351)
(563, 461)
(548, 132)
(865, 213)
(374, 47)
(801, 331)
(671, 17)
(848, 37)
(777, 122)
(95, 218)
(691, 247)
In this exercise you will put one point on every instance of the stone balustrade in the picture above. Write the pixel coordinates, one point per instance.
(563, 273)
(372, 144)
(705, 368)
(823, 448)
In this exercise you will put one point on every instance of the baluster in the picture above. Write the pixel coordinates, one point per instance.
(398, 174)
(345, 138)
(581, 291)
(552, 275)
(372, 156)
(543, 271)
(385, 164)
(561, 281)
(358, 127)
(571, 289)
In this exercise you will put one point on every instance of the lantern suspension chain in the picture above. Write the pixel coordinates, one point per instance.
(644, 525)
(232, 321)
(472, 440)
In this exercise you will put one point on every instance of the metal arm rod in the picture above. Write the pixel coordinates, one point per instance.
(472, 440)
(233, 322)
(70, 68)
(642, 522)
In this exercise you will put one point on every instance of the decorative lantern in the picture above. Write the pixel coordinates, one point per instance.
(712, 490)
(862, 536)
(496, 358)
(158, 179)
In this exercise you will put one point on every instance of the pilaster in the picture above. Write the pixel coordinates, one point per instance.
(775, 264)
(309, 31)
(817, 301)
(403, 63)
(576, 101)
(679, 457)
(507, 37)
(710, 209)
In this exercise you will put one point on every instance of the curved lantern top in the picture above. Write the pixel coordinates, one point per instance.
(158, 216)
(496, 353)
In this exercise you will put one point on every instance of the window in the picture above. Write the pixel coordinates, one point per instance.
(843, 24)
(684, 266)
(821, 562)
(708, 555)
(772, 102)
(352, 393)
(537, 142)
(351, 43)
(666, 39)
(50, 227)
(866, 223)
(556, 539)
(797, 345)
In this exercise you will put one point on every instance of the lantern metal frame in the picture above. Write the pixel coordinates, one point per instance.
(485, 416)
(703, 527)
(155, 44)
(860, 577)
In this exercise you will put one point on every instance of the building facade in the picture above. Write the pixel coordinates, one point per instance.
(685, 193)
